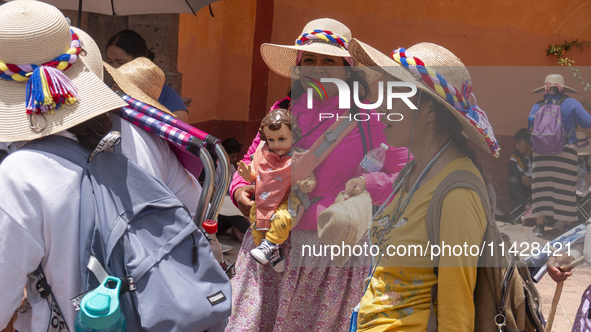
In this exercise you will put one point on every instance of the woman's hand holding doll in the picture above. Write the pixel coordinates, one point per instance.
(308, 184)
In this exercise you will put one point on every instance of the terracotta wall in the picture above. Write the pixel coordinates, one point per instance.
(215, 56)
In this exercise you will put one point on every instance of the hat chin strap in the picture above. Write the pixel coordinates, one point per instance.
(414, 123)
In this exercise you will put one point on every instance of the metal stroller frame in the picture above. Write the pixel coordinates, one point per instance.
(200, 144)
(514, 221)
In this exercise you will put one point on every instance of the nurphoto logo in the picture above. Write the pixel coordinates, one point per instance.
(345, 97)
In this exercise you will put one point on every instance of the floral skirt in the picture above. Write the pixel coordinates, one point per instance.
(299, 299)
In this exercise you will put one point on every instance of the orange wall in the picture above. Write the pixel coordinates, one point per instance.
(215, 56)
(480, 32)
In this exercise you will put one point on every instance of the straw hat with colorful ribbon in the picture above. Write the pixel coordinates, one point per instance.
(141, 79)
(583, 144)
(323, 36)
(438, 72)
(44, 88)
(554, 80)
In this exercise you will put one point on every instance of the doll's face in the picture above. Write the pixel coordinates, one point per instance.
(279, 140)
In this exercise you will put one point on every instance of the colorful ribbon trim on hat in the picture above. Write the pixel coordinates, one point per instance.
(47, 87)
(323, 36)
(457, 98)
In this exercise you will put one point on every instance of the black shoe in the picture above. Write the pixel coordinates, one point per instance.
(264, 252)
(277, 261)
(539, 230)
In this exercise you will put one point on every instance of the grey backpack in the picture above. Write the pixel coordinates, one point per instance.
(139, 231)
(505, 296)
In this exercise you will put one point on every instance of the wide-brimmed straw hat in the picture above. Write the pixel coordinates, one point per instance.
(40, 51)
(323, 36)
(438, 72)
(141, 79)
(554, 80)
(583, 144)
(345, 222)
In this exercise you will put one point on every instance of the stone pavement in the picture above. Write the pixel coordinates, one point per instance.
(573, 289)
(226, 239)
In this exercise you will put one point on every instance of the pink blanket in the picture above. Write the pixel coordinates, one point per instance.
(272, 184)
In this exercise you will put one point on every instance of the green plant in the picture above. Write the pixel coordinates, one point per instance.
(558, 51)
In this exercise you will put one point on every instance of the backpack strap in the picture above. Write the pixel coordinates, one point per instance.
(324, 146)
(116, 122)
(332, 137)
(457, 179)
(75, 153)
(355, 109)
(57, 323)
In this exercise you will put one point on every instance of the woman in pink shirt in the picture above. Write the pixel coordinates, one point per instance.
(312, 294)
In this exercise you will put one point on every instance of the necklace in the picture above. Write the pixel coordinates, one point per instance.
(395, 220)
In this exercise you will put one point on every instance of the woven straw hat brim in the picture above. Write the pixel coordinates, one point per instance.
(370, 56)
(127, 83)
(585, 151)
(566, 89)
(94, 98)
(282, 58)
(93, 58)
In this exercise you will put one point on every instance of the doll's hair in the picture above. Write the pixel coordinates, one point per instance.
(278, 117)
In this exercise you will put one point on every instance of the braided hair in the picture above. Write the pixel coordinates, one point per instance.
(90, 132)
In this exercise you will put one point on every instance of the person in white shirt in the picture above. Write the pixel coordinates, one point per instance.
(39, 210)
(149, 151)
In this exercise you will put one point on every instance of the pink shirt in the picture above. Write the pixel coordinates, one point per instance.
(341, 165)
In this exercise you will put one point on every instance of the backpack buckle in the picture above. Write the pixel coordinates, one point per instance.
(43, 287)
(127, 285)
(330, 135)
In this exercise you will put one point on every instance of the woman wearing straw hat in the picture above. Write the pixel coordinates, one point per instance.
(307, 298)
(39, 209)
(127, 45)
(147, 150)
(398, 296)
(554, 177)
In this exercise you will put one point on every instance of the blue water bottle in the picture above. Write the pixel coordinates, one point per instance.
(99, 309)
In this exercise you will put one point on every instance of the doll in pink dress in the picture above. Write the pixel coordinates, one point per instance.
(270, 170)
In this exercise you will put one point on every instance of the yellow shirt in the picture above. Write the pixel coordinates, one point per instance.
(399, 295)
